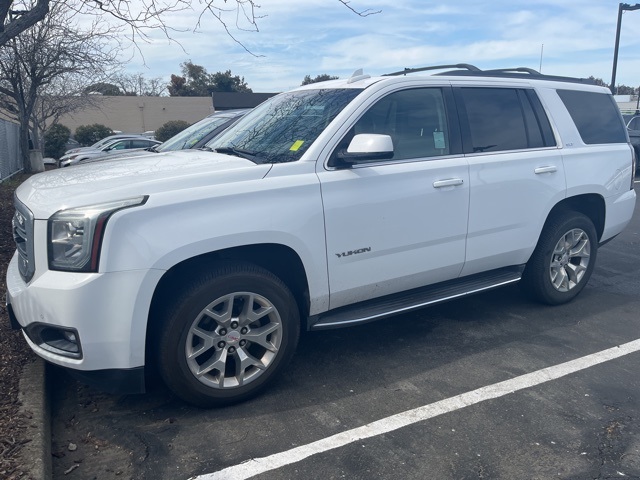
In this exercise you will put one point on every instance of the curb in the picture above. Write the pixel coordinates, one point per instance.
(33, 395)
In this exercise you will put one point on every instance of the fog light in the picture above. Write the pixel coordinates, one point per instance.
(70, 336)
(61, 341)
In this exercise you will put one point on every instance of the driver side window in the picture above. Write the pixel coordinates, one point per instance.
(415, 120)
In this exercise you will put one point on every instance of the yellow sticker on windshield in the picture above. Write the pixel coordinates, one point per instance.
(296, 145)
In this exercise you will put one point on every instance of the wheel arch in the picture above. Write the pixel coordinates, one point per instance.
(591, 204)
(280, 260)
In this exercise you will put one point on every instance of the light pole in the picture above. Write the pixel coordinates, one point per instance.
(621, 7)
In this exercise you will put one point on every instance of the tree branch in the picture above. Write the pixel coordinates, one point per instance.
(22, 22)
(363, 13)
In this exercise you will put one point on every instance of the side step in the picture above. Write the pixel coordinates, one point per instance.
(402, 302)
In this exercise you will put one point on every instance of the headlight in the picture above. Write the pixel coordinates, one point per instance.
(75, 234)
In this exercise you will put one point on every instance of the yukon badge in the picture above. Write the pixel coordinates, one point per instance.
(353, 252)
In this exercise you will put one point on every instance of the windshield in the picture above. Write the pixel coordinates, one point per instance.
(110, 143)
(193, 134)
(284, 127)
(102, 142)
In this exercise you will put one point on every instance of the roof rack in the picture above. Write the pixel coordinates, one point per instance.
(516, 72)
(470, 68)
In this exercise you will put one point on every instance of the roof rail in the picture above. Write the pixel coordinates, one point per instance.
(464, 69)
(520, 72)
(515, 70)
(470, 68)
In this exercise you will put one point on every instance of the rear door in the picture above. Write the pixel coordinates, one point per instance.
(516, 173)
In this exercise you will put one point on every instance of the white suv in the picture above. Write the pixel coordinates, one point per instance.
(332, 205)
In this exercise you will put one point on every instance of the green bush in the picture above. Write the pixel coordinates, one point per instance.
(55, 140)
(89, 134)
(169, 129)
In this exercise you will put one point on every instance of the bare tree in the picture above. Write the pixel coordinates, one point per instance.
(65, 94)
(136, 84)
(53, 52)
(16, 16)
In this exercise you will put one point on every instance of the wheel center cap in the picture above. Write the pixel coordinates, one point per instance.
(565, 259)
(233, 337)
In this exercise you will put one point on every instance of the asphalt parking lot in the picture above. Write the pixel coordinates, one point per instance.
(338, 410)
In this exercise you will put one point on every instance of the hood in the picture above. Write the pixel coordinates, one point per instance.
(119, 154)
(79, 151)
(46, 193)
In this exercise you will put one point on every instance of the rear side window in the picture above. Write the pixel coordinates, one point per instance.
(596, 116)
(505, 119)
(140, 143)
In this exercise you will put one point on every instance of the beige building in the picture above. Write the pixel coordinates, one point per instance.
(139, 114)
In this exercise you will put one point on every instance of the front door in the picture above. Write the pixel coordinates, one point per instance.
(397, 224)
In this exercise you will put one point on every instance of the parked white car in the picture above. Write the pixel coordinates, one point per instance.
(332, 205)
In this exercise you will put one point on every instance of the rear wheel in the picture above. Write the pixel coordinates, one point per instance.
(229, 333)
(563, 260)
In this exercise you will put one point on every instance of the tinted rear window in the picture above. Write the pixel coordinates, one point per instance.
(596, 116)
(505, 119)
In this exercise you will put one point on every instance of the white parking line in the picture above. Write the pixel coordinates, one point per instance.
(257, 466)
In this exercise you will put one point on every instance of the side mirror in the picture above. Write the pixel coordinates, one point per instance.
(367, 147)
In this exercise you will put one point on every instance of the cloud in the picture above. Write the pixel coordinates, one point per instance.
(322, 36)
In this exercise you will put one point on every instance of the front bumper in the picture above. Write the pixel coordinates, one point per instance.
(106, 311)
(13, 321)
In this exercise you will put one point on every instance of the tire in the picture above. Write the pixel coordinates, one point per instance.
(563, 260)
(229, 333)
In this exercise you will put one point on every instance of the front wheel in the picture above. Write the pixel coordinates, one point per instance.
(563, 260)
(229, 333)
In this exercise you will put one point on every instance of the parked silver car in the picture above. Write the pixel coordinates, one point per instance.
(99, 144)
(633, 129)
(118, 145)
(195, 136)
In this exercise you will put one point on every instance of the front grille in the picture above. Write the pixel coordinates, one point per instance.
(22, 226)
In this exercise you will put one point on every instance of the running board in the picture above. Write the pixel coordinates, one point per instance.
(403, 302)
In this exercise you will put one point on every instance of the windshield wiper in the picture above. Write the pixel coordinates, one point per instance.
(238, 153)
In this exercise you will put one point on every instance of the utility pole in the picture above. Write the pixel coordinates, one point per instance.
(621, 7)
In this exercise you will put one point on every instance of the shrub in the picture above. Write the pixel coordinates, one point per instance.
(90, 134)
(169, 129)
(55, 140)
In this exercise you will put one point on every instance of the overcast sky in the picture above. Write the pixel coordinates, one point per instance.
(310, 37)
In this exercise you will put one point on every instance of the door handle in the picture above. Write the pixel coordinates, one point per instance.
(549, 169)
(450, 182)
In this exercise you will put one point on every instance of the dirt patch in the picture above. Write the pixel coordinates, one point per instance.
(14, 352)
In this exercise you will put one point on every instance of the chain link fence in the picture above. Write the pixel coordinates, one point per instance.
(10, 158)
